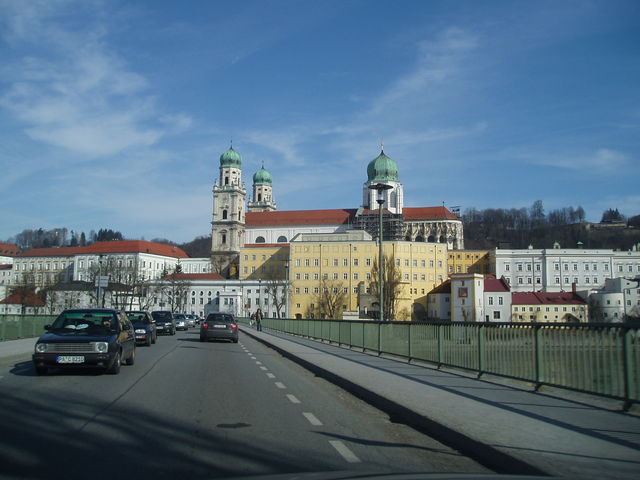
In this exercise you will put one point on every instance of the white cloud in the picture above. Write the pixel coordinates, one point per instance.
(84, 97)
(601, 161)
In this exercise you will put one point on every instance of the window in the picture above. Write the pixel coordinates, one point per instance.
(260, 239)
(500, 300)
(307, 262)
(556, 266)
(507, 267)
(355, 262)
(335, 262)
(496, 315)
(490, 300)
(282, 239)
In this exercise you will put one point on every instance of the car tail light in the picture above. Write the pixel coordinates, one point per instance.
(204, 325)
(234, 326)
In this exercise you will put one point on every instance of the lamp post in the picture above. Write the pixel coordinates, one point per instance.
(380, 188)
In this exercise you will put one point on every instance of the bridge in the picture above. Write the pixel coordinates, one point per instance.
(445, 382)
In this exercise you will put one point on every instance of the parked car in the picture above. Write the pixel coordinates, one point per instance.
(181, 321)
(219, 326)
(144, 327)
(165, 323)
(100, 338)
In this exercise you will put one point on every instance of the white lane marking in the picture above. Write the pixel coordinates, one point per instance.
(280, 385)
(271, 375)
(313, 420)
(343, 450)
(258, 363)
(253, 358)
(292, 398)
(264, 368)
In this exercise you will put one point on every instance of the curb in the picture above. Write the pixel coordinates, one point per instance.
(485, 455)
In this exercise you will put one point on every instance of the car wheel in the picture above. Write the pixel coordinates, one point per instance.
(115, 368)
(155, 338)
(132, 358)
(42, 370)
(235, 340)
(149, 341)
(202, 339)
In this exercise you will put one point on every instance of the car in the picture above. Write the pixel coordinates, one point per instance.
(191, 320)
(181, 321)
(165, 323)
(219, 326)
(101, 338)
(144, 327)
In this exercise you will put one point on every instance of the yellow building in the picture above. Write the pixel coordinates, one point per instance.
(342, 261)
(264, 261)
(469, 261)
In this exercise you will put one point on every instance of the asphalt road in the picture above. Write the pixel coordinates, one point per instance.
(200, 410)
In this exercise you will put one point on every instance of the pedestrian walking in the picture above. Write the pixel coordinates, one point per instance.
(258, 315)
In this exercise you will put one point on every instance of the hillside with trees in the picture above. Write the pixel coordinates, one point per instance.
(520, 228)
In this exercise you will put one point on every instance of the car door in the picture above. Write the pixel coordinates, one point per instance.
(127, 336)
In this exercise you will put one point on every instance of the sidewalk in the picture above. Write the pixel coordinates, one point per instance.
(12, 351)
(508, 429)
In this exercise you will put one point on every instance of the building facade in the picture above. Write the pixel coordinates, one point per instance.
(557, 270)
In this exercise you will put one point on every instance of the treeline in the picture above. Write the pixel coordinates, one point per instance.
(519, 228)
(62, 237)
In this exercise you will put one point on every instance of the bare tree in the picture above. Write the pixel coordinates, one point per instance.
(278, 291)
(329, 300)
(392, 285)
(23, 289)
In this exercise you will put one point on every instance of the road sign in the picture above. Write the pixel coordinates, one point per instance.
(102, 281)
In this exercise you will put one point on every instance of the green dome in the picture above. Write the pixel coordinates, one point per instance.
(262, 177)
(382, 169)
(230, 158)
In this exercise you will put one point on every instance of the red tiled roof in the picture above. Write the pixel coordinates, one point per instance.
(30, 300)
(121, 246)
(546, 298)
(299, 217)
(337, 216)
(428, 213)
(8, 249)
(195, 276)
(444, 287)
(493, 284)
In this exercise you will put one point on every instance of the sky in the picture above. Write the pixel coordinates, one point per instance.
(114, 114)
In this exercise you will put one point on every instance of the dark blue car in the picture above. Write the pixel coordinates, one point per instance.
(98, 338)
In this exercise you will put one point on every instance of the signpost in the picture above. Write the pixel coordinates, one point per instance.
(102, 281)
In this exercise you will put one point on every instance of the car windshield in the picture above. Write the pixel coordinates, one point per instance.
(82, 323)
(166, 316)
(179, 316)
(137, 317)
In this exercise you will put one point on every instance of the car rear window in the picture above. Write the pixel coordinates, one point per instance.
(137, 317)
(220, 318)
(161, 315)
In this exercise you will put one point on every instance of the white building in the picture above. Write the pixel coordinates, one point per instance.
(556, 270)
(479, 298)
(618, 300)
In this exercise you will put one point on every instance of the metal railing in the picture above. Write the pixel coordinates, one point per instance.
(601, 359)
(13, 327)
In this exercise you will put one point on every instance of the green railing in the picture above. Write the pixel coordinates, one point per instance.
(601, 359)
(13, 327)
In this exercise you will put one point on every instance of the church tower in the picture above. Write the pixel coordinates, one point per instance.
(228, 222)
(262, 192)
(383, 169)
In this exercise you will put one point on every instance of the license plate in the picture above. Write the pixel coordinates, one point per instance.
(70, 359)
(160, 327)
(219, 326)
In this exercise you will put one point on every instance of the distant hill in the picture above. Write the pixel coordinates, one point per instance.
(200, 247)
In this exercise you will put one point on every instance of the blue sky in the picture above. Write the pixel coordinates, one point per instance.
(113, 114)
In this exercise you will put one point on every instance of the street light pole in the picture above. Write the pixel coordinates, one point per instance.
(380, 188)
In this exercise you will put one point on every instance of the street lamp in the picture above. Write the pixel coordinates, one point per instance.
(380, 188)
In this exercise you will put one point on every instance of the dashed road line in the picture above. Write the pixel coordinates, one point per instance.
(344, 451)
(280, 385)
(313, 420)
(264, 368)
(258, 363)
(292, 398)
(271, 375)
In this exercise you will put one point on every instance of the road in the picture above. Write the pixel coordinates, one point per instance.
(188, 409)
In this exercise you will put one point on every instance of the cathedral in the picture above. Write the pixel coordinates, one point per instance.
(238, 221)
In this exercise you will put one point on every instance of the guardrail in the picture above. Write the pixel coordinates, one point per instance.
(13, 327)
(601, 359)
